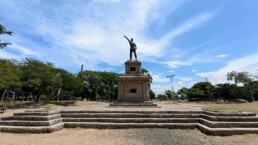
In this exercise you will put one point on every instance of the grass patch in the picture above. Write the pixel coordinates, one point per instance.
(251, 107)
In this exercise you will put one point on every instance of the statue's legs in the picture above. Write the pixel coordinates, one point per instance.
(133, 51)
(131, 54)
(135, 54)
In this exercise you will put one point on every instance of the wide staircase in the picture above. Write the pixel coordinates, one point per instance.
(32, 121)
(130, 119)
(210, 123)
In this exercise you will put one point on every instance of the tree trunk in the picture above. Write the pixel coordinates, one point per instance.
(37, 97)
(2, 97)
(13, 96)
(31, 96)
(58, 94)
(252, 95)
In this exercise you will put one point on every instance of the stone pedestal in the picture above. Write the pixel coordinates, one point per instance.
(133, 86)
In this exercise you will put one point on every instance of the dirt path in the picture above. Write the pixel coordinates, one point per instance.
(125, 137)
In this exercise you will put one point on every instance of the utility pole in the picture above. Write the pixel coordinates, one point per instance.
(208, 90)
(171, 78)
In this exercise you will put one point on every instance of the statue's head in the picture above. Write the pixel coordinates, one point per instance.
(131, 39)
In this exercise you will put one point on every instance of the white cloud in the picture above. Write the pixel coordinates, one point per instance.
(175, 64)
(24, 51)
(194, 70)
(184, 78)
(222, 55)
(158, 79)
(189, 25)
(160, 89)
(180, 84)
(246, 63)
(88, 32)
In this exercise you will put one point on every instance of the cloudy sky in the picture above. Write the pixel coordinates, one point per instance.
(191, 39)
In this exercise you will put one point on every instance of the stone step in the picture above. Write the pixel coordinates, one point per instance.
(212, 124)
(226, 131)
(32, 118)
(36, 113)
(41, 110)
(229, 113)
(30, 123)
(231, 118)
(22, 129)
(134, 120)
(127, 115)
(135, 111)
(129, 125)
(133, 104)
(211, 113)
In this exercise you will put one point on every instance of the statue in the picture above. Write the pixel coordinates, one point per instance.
(133, 48)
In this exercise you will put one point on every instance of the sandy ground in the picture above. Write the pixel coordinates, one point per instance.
(125, 137)
(81, 136)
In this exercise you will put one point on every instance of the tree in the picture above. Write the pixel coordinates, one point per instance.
(101, 84)
(108, 88)
(253, 88)
(169, 94)
(2, 32)
(152, 95)
(201, 90)
(37, 77)
(8, 77)
(162, 97)
(183, 92)
(195, 94)
(244, 78)
(65, 85)
(239, 77)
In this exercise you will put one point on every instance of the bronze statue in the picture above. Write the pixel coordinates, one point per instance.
(133, 48)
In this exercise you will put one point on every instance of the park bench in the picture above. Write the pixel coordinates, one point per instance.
(3, 109)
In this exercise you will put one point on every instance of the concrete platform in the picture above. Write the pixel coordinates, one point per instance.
(133, 104)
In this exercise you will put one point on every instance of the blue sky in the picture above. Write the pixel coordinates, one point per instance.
(192, 39)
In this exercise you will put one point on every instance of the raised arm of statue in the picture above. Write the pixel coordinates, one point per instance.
(127, 38)
(133, 47)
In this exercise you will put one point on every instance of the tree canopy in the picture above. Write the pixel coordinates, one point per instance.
(32, 79)
(3, 31)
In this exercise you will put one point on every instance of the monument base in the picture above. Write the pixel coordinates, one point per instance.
(133, 87)
(133, 104)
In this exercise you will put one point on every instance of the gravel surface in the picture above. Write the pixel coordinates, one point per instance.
(125, 137)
